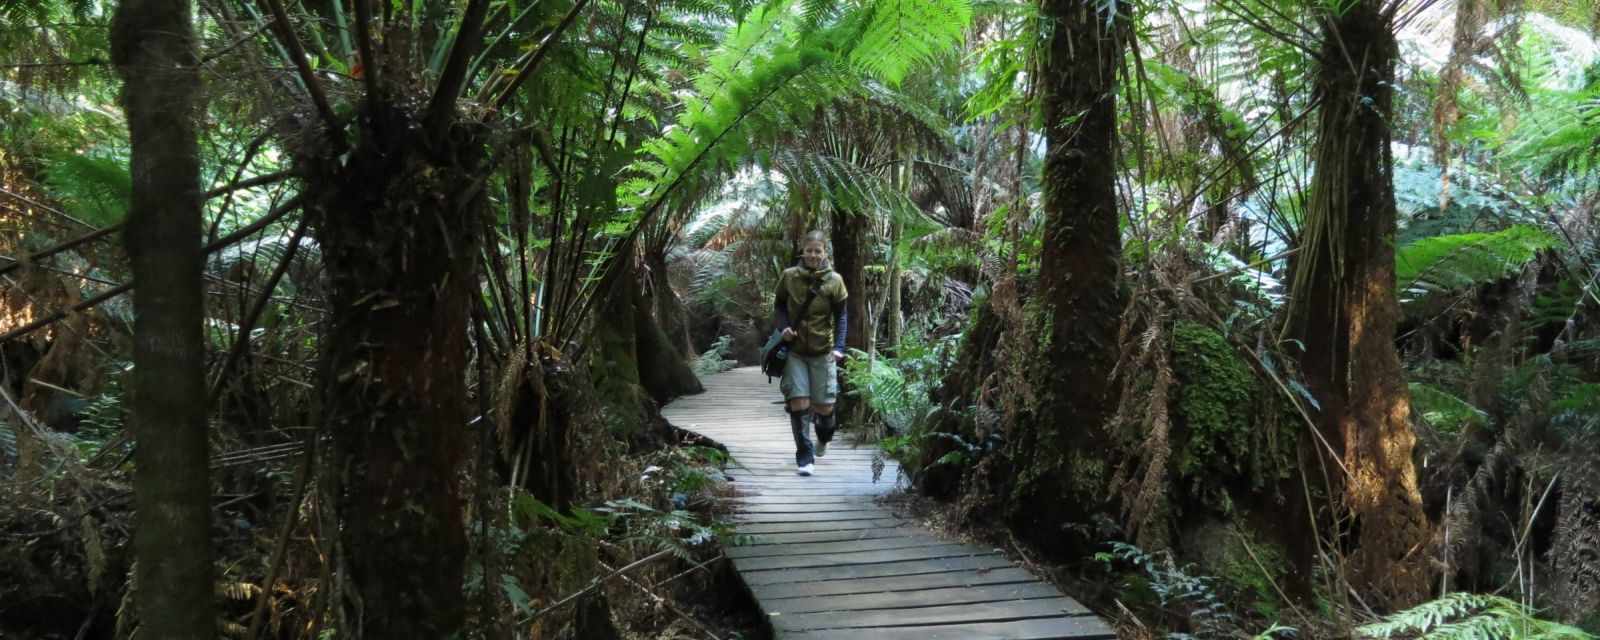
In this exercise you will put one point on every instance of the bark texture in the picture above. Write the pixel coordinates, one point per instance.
(398, 224)
(1060, 474)
(153, 47)
(1345, 311)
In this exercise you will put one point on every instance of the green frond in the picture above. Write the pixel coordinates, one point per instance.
(1470, 616)
(904, 33)
(96, 188)
(1444, 411)
(1444, 263)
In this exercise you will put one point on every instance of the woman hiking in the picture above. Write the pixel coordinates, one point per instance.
(812, 318)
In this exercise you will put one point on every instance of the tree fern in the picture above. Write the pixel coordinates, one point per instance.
(1450, 262)
(1470, 616)
(96, 188)
(904, 33)
(1443, 410)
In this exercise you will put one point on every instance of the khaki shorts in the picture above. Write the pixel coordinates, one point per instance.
(814, 377)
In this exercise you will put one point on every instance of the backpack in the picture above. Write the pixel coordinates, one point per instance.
(775, 354)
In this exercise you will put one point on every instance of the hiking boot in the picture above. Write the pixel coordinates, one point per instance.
(822, 448)
(805, 470)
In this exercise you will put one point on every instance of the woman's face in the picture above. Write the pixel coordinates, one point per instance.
(814, 254)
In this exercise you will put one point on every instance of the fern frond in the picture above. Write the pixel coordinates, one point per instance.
(1470, 616)
(1449, 262)
(95, 187)
(904, 33)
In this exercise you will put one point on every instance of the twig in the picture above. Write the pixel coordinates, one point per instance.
(278, 552)
(668, 604)
(1268, 575)
(44, 207)
(241, 342)
(65, 246)
(81, 276)
(297, 55)
(233, 45)
(92, 62)
(263, 179)
(118, 290)
(537, 56)
(468, 35)
(595, 584)
(691, 570)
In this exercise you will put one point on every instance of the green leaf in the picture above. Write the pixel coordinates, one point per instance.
(1445, 263)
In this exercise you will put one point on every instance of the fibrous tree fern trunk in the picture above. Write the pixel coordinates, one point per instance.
(153, 46)
(1059, 470)
(398, 223)
(1345, 311)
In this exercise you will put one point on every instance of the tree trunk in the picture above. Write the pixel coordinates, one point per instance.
(663, 369)
(849, 259)
(1345, 311)
(1078, 303)
(154, 49)
(398, 224)
(614, 359)
(671, 314)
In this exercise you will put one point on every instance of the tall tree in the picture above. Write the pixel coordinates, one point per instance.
(1345, 312)
(1078, 303)
(153, 46)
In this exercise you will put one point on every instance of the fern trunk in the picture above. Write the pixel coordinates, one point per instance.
(1057, 452)
(398, 223)
(153, 46)
(670, 312)
(1345, 311)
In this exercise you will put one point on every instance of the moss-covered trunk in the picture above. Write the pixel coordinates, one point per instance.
(614, 359)
(1058, 453)
(1345, 310)
(154, 47)
(663, 368)
(671, 314)
(398, 223)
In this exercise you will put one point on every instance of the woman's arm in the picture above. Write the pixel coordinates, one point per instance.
(841, 327)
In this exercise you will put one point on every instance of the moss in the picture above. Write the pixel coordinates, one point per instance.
(1246, 565)
(1232, 423)
(1215, 398)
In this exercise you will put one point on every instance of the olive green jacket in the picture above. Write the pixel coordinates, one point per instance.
(815, 323)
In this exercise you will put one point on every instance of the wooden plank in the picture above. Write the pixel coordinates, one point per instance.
(905, 541)
(811, 498)
(846, 604)
(785, 591)
(816, 516)
(848, 558)
(1068, 628)
(846, 535)
(828, 561)
(803, 505)
(958, 613)
(856, 572)
(758, 528)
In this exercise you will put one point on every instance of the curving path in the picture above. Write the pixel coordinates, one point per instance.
(825, 560)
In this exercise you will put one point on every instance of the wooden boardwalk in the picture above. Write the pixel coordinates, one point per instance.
(827, 561)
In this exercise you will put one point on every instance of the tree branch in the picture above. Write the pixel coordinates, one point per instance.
(369, 60)
(454, 75)
(118, 290)
(536, 57)
(65, 246)
(297, 53)
(248, 183)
